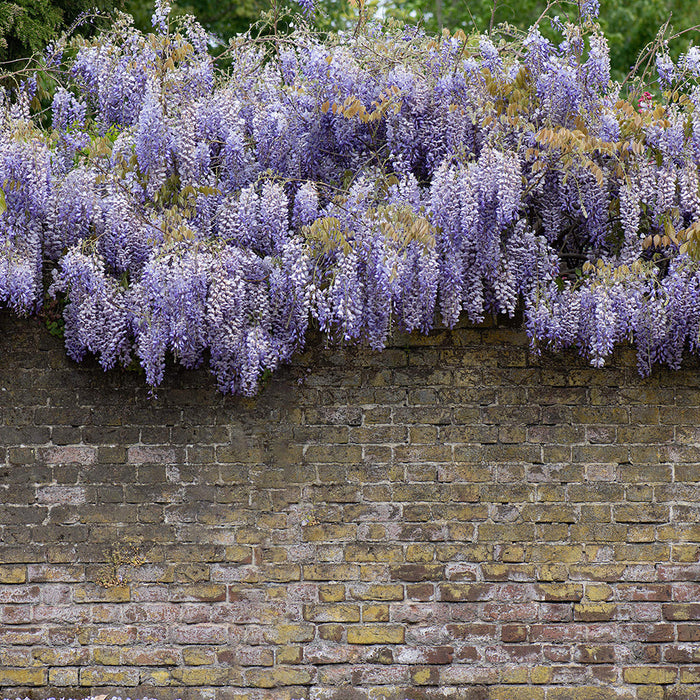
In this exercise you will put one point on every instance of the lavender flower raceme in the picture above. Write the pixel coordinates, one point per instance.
(359, 184)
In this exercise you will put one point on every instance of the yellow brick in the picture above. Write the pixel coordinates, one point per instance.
(289, 655)
(375, 613)
(379, 591)
(515, 692)
(331, 593)
(198, 656)
(108, 676)
(553, 572)
(641, 533)
(594, 612)
(686, 553)
(560, 592)
(690, 675)
(87, 593)
(650, 692)
(515, 675)
(330, 572)
(63, 656)
(420, 553)
(565, 554)
(501, 572)
(513, 553)
(204, 592)
(106, 657)
(598, 572)
(281, 573)
(373, 553)
(587, 693)
(291, 676)
(463, 552)
(237, 553)
(157, 676)
(376, 532)
(598, 591)
(278, 593)
(650, 675)
(108, 636)
(260, 678)
(13, 574)
(63, 676)
(541, 674)
(421, 676)
(376, 634)
(23, 676)
(680, 533)
(329, 532)
(188, 572)
(201, 676)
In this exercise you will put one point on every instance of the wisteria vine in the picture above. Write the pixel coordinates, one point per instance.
(357, 184)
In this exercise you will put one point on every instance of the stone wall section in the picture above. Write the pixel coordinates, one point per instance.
(451, 518)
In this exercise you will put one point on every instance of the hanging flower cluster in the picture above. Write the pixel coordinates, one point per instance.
(360, 184)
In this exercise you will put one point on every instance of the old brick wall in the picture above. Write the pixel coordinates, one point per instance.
(452, 518)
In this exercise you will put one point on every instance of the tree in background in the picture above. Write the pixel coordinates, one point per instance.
(630, 25)
(221, 19)
(27, 26)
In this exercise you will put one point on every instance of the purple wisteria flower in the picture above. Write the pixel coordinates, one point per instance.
(358, 184)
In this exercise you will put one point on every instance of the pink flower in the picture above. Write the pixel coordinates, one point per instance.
(645, 103)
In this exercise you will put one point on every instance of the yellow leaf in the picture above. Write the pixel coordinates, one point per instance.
(352, 110)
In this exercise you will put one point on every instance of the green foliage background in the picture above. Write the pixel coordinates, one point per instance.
(26, 26)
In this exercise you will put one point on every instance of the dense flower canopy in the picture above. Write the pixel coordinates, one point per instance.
(356, 183)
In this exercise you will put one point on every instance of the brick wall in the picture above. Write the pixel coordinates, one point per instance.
(452, 518)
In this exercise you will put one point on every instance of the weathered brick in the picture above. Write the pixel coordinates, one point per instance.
(202, 676)
(98, 676)
(538, 515)
(289, 633)
(650, 675)
(64, 676)
(595, 612)
(376, 592)
(375, 634)
(556, 592)
(466, 592)
(339, 612)
(23, 676)
(199, 634)
(13, 574)
(331, 593)
(69, 454)
(331, 572)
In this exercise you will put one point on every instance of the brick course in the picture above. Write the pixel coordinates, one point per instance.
(450, 518)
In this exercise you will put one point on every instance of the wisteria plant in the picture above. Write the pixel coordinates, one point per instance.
(358, 183)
